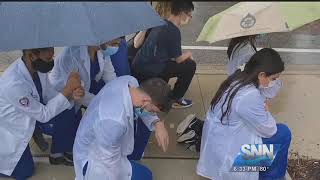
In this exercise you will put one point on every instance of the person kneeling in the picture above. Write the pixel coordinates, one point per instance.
(105, 136)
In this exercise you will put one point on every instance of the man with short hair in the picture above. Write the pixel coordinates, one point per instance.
(161, 54)
(26, 97)
(105, 136)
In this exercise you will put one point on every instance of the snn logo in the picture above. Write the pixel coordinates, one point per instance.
(252, 151)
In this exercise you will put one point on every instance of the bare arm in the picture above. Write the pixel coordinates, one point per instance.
(139, 39)
(183, 57)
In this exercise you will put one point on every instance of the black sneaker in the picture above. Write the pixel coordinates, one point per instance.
(191, 122)
(194, 147)
(194, 144)
(60, 161)
(39, 140)
(182, 103)
(68, 156)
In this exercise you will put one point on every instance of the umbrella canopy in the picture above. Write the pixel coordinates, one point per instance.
(247, 18)
(26, 25)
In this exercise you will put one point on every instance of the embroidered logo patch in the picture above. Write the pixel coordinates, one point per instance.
(248, 21)
(24, 101)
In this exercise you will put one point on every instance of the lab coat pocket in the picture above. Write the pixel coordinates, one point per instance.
(8, 147)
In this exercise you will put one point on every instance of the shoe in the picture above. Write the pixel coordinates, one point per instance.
(60, 161)
(194, 143)
(40, 141)
(187, 137)
(191, 122)
(182, 103)
(185, 123)
(68, 156)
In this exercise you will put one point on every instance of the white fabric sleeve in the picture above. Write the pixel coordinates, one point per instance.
(252, 111)
(149, 120)
(22, 100)
(108, 70)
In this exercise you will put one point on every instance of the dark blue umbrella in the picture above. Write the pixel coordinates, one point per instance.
(25, 25)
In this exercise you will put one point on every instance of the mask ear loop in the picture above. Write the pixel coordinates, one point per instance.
(75, 68)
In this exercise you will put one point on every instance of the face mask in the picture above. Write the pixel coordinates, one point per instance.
(271, 84)
(142, 112)
(111, 51)
(42, 66)
(184, 22)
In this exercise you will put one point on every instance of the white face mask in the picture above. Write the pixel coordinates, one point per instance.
(185, 22)
(271, 84)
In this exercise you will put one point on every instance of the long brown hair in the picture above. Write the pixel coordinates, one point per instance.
(238, 42)
(266, 60)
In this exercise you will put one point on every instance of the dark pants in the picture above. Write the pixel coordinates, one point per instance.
(183, 71)
(24, 168)
(141, 138)
(279, 165)
(63, 130)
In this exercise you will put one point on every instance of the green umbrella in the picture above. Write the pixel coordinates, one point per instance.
(247, 18)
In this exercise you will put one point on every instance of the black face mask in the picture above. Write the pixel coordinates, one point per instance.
(42, 66)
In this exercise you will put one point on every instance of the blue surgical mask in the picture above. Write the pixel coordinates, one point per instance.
(111, 51)
(139, 112)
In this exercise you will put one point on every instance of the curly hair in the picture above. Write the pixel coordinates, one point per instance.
(163, 8)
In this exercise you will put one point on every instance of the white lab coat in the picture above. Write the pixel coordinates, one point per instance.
(220, 144)
(20, 108)
(77, 58)
(105, 136)
(242, 55)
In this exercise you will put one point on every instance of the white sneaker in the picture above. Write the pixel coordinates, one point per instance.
(186, 136)
(185, 124)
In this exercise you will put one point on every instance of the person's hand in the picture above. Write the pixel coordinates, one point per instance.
(184, 57)
(78, 93)
(161, 135)
(73, 83)
(267, 104)
(189, 55)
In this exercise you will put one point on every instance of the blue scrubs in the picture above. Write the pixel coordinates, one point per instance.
(279, 166)
(139, 172)
(120, 60)
(64, 126)
(141, 138)
(25, 167)
(94, 70)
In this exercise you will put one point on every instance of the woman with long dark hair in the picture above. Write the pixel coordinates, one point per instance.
(239, 52)
(238, 116)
